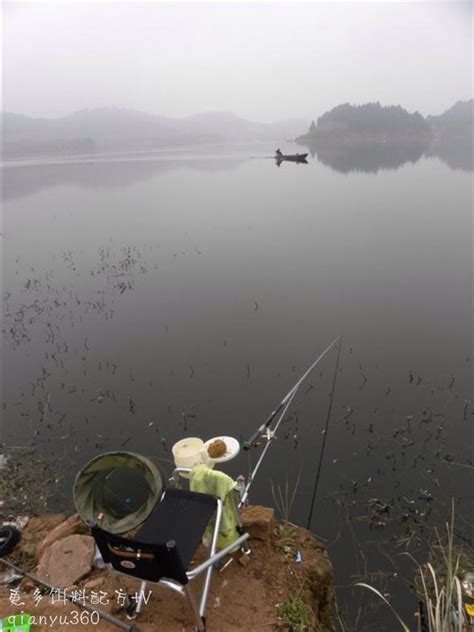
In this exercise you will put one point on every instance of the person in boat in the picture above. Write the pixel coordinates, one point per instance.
(278, 153)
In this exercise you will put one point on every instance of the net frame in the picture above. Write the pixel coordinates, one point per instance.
(90, 483)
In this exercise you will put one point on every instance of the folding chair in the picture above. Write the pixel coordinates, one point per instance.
(162, 549)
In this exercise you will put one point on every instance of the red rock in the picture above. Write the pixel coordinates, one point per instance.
(67, 561)
(258, 521)
(62, 530)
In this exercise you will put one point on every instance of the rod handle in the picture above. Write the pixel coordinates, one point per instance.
(249, 443)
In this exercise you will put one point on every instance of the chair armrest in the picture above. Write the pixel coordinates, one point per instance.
(222, 553)
(174, 478)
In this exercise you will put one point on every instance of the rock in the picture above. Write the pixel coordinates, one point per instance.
(62, 530)
(67, 561)
(244, 560)
(258, 521)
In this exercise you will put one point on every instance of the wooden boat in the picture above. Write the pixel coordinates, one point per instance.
(291, 157)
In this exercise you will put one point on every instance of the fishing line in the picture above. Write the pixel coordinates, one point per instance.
(323, 445)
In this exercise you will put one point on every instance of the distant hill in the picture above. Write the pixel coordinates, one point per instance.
(370, 121)
(457, 120)
(453, 135)
(114, 129)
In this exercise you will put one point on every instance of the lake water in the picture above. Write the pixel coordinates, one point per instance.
(183, 293)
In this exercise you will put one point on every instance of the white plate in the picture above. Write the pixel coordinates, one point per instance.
(232, 445)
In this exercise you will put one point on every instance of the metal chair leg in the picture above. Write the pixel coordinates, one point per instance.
(207, 580)
(246, 550)
(200, 621)
(133, 609)
(141, 596)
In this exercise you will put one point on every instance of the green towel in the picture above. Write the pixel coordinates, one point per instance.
(206, 481)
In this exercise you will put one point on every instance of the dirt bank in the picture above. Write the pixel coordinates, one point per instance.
(273, 591)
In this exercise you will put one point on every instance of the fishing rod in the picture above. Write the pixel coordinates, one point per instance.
(265, 431)
(251, 442)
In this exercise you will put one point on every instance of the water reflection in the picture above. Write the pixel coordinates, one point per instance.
(26, 179)
(366, 156)
(116, 172)
(457, 153)
(372, 156)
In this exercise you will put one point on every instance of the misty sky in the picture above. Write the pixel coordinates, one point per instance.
(263, 61)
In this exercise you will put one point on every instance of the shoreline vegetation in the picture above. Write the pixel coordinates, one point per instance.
(373, 122)
(443, 585)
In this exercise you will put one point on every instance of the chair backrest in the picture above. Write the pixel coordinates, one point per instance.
(150, 562)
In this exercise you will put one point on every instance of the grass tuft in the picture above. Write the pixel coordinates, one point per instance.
(293, 614)
(438, 588)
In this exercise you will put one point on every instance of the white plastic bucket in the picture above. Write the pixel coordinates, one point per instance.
(189, 452)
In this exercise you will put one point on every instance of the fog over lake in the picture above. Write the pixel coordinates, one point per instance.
(263, 61)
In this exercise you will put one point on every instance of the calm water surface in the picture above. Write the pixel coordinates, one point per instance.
(157, 295)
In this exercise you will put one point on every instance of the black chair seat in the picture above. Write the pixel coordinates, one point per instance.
(181, 516)
(162, 549)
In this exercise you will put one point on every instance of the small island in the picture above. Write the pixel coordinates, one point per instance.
(367, 123)
(369, 137)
